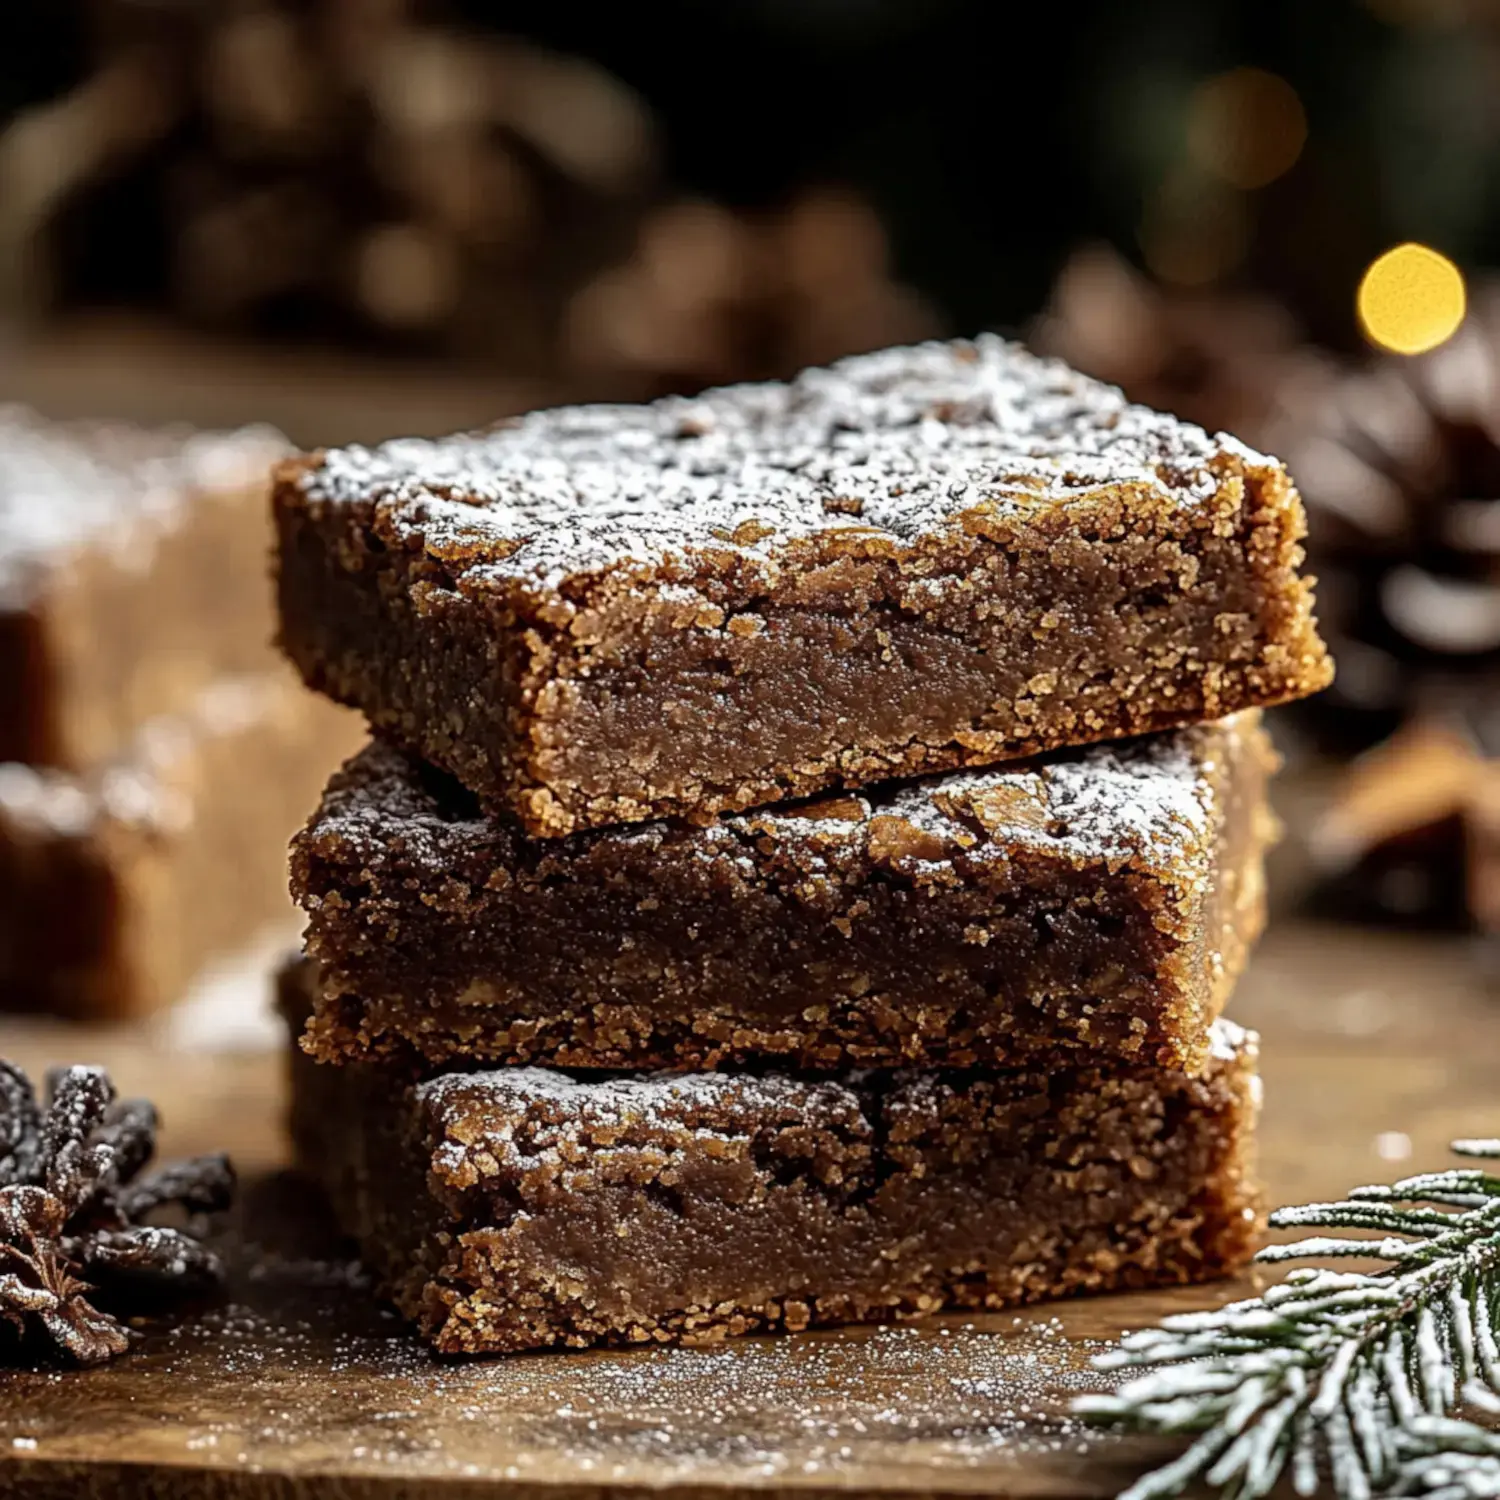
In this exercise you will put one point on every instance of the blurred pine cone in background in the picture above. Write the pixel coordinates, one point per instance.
(337, 173)
(709, 296)
(371, 174)
(1399, 463)
(1223, 360)
(1398, 460)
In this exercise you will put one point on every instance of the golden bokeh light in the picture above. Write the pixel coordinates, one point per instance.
(1411, 299)
(1247, 127)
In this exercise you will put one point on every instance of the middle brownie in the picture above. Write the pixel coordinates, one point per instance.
(1104, 899)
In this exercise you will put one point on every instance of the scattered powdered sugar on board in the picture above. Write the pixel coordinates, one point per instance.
(302, 1372)
(941, 1396)
(228, 1008)
(895, 444)
(65, 485)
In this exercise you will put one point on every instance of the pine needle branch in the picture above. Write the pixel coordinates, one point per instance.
(1351, 1374)
(1446, 1459)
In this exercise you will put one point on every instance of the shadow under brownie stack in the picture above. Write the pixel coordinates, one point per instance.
(811, 833)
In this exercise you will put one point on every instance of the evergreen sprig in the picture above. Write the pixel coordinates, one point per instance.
(1442, 1458)
(1352, 1373)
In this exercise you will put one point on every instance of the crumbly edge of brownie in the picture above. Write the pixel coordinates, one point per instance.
(1235, 904)
(400, 902)
(117, 887)
(526, 1209)
(1260, 649)
(559, 722)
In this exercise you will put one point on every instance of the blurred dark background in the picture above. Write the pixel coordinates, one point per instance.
(354, 218)
(447, 178)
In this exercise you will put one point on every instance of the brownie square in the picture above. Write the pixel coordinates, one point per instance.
(919, 559)
(526, 1208)
(117, 887)
(132, 575)
(1100, 899)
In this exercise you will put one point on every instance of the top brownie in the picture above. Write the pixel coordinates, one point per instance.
(947, 555)
(132, 575)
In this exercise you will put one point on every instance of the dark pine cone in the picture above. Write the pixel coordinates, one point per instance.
(1399, 465)
(73, 1249)
(1406, 836)
(1223, 360)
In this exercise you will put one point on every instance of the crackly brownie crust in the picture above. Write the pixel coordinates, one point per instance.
(117, 887)
(1104, 898)
(132, 574)
(918, 559)
(524, 1208)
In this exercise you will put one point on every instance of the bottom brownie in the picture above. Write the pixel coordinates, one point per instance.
(523, 1208)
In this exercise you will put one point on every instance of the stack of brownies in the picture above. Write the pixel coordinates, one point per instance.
(695, 949)
(155, 754)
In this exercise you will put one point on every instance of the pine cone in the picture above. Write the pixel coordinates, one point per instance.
(1392, 845)
(72, 1199)
(1399, 464)
(1222, 360)
(712, 295)
(357, 174)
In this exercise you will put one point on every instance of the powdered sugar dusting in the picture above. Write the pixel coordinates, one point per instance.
(68, 485)
(888, 446)
(652, 1098)
(515, 1118)
(1229, 1040)
(512, 1118)
(314, 1380)
(1151, 798)
(1149, 802)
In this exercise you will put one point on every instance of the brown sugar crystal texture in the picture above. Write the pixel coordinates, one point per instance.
(1102, 898)
(924, 558)
(132, 574)
(526, 1208)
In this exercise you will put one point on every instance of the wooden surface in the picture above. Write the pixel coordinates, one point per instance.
(1377, 1050)
(145, 371)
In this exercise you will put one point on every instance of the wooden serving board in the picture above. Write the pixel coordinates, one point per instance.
(1377, 1050)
